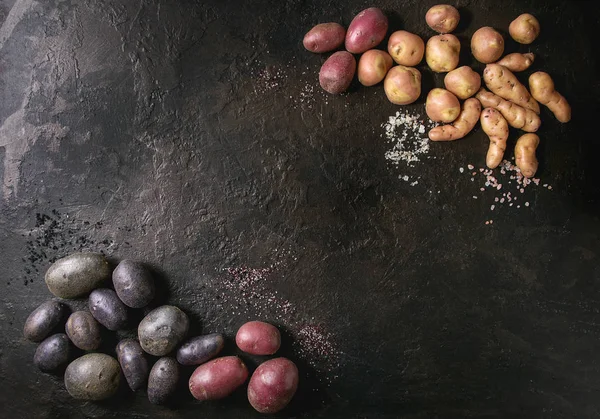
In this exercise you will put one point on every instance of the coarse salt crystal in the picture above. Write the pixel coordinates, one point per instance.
(461, 170)
(492, 207)
(470, 166)
(526, 204)
(474, 197)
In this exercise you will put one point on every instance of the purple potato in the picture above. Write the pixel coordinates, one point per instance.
(133, 283)
(52, 353)
(43, 320)
(106, 307)
(162, 381)
(200, 349)
(133, 363)
(83, 330)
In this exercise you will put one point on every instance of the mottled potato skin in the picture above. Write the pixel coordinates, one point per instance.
(487, 45)
(258, 338)
(133, 363)
(162, 330)
(337, 72)
(43, 320)
(442, 53)
(542, 89)
(162, 381)
(442, 106)
(502, 82)
(402, 85)
(516, 116)
(324, 37)
(93, 377)
(83, 330)
(442, 18)
(218, 378)
(273, 385)
(77, 274)
(200, 349)
(366, 30)
(52, 353)
(373, 66)
(463, 82)
(108, 309)
(524, 29)
(406, 48)
(133, 283)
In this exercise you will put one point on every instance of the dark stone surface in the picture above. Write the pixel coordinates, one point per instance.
(182, 134)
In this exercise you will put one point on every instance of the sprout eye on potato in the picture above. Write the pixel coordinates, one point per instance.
(442, 53)
(442, 18)
(442, 106)
(406, 48)
(463, 82)
(373, 66)
(524, 29)
(487, 45)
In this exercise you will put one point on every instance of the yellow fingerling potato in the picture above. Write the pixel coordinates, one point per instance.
(496, 128)
(461, 126)
(501, 81)
(525, 158)
(515, 115)
(542, 89)
(516, 61)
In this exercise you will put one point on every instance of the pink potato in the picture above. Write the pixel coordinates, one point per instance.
(366, 30)
(463, 82)
(373, 66)
(337, 72)
(273, 385)
(487, 45)
(258, 338)
(524, 29)
(442, 105)
(218, 378)
(324, 37)
(402, 85)
(442, 53)
(406, 48)
(442, 18)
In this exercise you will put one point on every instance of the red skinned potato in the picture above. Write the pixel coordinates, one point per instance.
(442, 18)
(273, 385)
(442, 106)
(337, 72)
(442, 53)
(373, 66)
(258, 338)
(366, 31)
(463, 82)
(402, 85)
(487, 45)
(524, 29)
(406, 48)
(324, 37)
(218, 378)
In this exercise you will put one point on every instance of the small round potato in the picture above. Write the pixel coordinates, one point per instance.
(463, 82)
(133, 363)
(273, 385)
(524, 29)
(402, 85)
(324, 37)
(133, 283)
(442, 106)
(43, 320)
(337, 72)
(108, 309)
(218, 378)
(52, 353)
(366, 31)
(200, 349)
(442, 53)
(487, 45)
(406, 48)
(83, 330)
(162, 381)
(442, 18)
(77, 274)
(93, 377)
(373, 66)
(258, 338)
(162, 330)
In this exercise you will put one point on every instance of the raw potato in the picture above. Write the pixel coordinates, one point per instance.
(406, 48)
(324, 37)
(133, 283)
(77, 274)
(105, 306)
(496, 128)
(162, 330)
(200, 349)
(273, 385)
(83, 330)
(525, 154)
(133, 363)
(501, 81)
(218, 378)
(402, 85)
(442, 53)
(463, 82)
(366, 30)
(524, 29)
(442, 106)
(162, 381)
(373, 66)
(258, 338)
(93, 377)
(542, 89)
(43, 320)
(516, 61)
(52, 353)
(515, 115)
(462, 126)
(442, 18)
(337, 72)
(487, 45)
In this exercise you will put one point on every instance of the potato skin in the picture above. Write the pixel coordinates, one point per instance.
(487, 45)
(516, 61)
(77, 274)
(373, 66)
(524, 29)
(469, 116)
(273, 385)
(105, 306)
(406, 48)
(502, 82)
(258, 338)
(402, 85)
(133, 363)
(525, 158)
(200, 349)
(162, 330)
(93, 377)
(324, 37)
(496, 128)
(337, 72)
(442, 105)
(442, 53)
(463, 82)
(43, 320)
(83, 330)
(542, 89)
(516, 116)
(366, 31)
(218, 378)
(52, 353)
(133, 283)
(162, 381)
(442, 18)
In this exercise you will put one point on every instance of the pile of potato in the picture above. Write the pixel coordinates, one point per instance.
(161, 333)
(506, 102)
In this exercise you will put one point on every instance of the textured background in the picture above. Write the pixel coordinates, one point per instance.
(192, 135)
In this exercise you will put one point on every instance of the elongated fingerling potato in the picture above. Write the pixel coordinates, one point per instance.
(525, 158)
(542, 89)
(501, 81)
(496, 128)
(465, 122)
(515, 115)
(516, 61)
